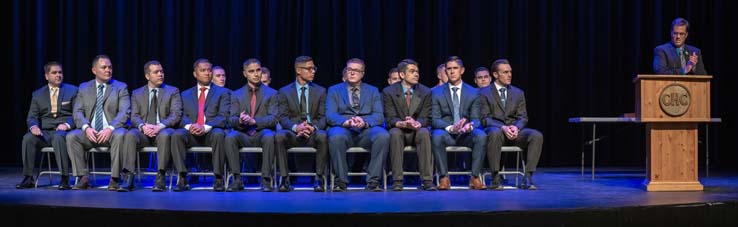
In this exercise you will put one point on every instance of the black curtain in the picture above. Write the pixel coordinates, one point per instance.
(573, 58)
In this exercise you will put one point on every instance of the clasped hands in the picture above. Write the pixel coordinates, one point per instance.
(461, 126)
(408, 123)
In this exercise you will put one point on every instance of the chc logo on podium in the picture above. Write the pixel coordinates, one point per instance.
(674, 100)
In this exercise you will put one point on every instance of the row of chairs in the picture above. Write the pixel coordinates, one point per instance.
(47, 151)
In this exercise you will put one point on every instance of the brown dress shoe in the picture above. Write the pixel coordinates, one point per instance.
(476, 184)
(444, 183)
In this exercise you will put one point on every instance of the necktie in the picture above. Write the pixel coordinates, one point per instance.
(54, 97)
(408, 96)
(355, 98)
(680, 52)
(303, 103)
(151, 115)
(503, 96)
(456, 103)
(252, 129)
(201, 106)
(99, 108)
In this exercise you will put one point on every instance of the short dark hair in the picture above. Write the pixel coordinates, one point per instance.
(47, 66)
(402, 66)
(457, 59)
(251, 61)
(265, 70)
(218, 67)
(679, 22)
(392, 70)
(441, 67)
(302, 60)
(98, 57)
(497, 64)
(149, 63)
(198, 61)
(357, 61)
(479, 69)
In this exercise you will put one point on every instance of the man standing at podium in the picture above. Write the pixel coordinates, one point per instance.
(676, 57)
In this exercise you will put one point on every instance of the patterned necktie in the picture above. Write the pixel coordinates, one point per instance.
(54, 97)
(503, 96)
(682, 59)
(355, 98)
(457, 104)
(201, 106)
(151, 115)
(99, 108)
(303, 103)
(408, 96)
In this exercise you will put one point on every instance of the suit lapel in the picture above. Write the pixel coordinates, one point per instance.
(496, 97)
(363, 95)
(293, 97)
(259, 98)
(313, 100)
(46, 97)
(448, 95)
(92, 91)
(108, 90)
(400, 99)
(344, 96)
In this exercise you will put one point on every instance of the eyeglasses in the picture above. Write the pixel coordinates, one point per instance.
(677, 34)
(354, 70)
(313, 68)
(253, 70)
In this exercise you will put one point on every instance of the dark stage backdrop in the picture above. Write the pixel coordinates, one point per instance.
(573, 58)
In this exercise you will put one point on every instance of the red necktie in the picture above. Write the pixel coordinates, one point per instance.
(201, 107)
(253, 102)
(408, 95)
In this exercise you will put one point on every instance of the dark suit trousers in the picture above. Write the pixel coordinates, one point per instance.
(78, 144)
(33, 144)
(399, 138)
(374, 139)
(286, 139)
(135, 140)
(182, 139)
(528, 139)
(476, 140)
(263, 138)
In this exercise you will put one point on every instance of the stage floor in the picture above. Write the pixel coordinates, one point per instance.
(559, 189)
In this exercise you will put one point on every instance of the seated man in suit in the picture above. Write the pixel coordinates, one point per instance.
(49, 119)
(676, 57)
(101, 111)
(407, 107)
(504, 117)
(455, 121)
(254, 116)
(156, 109)
(302, 106)
(354, 112)
(204, 112)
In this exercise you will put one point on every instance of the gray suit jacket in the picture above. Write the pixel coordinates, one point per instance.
(492, 113)
(442, 114)
(395, 107)
(39, 113)
(217, 105)
(338, 107)
(169, 106)
(116, 103)
(666, 60)
(289, 107)
(267, 110)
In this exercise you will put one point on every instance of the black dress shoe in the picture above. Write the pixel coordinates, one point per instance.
(339, 187)
(373, 186)
(428, 186)
(82, 183)
(397, 186)
(496, 183)
(218, 185)
(284, 185)
(27, 182)
(266, 185)
(237, 185)
(528, 182)
(182, 185)
(319, 187)
(128, 183)
(113, 185)
(160, 183)
(64, 184)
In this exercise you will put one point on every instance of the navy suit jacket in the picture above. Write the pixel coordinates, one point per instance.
(39, 113)
(289, 107)
(666, 60)
(395, 107)
(491, 110)
(116, 103)
(169, 106)
(266, 114)
(338, 107)
(442, 114)
(217, 105)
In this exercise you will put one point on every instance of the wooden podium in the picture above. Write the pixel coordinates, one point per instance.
(671, 106)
